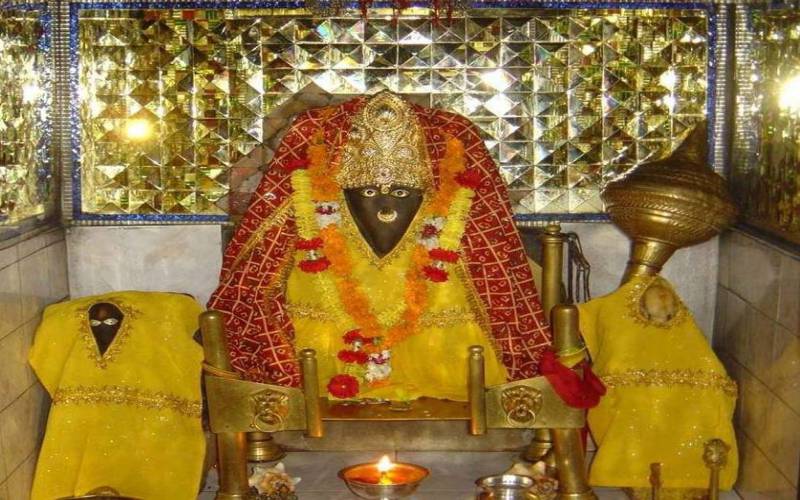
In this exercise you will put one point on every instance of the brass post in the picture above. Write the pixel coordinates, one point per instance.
(261, 447)
(308, 361)
(715, 456)
(571, 465)
(477, 391)
(552, 271)
(567, 445)
(231, 446)
(552, 267)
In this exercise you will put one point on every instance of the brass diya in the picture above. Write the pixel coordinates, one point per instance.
(369, 481)
(669, 204)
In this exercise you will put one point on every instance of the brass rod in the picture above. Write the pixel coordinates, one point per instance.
(571, 465)
(308, 361)
(477, 391)
(231, 446)
(552, 267)
(214, 345)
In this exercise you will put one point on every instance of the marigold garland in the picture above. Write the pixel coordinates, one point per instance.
(326, 248)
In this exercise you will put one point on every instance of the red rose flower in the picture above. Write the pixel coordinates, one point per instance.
(326, 210)
(358, 357)
(443, 255)
(312, 244)
(435, 274)
(352, 337)
(343, 386)
(469, 178)
(296, 164)
(429, 231)
(315, 266)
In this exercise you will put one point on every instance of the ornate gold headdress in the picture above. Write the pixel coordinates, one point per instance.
(386, 146)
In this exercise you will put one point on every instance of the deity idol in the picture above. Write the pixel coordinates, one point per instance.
(380, 236)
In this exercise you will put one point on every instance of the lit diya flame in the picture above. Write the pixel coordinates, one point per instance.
(384, 466)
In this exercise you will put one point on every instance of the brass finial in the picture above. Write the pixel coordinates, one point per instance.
(715, 455)
(669, 204)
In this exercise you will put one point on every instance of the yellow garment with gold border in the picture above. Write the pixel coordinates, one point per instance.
(430, 363)
(129, 419)
(668, 394)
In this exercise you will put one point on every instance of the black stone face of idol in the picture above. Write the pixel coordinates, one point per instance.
(383, 215)
(104, 333)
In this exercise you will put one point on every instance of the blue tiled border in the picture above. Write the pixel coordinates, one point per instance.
(75, 8)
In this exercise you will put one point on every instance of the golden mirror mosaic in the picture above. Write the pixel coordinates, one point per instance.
(27, 188)
(179, 108)
(766, 170)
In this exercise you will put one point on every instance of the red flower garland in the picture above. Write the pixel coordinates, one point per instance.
(435, 274)
(353, 336)
(343, 386)
(443, 255)
(358, 357)
(312, 244)
(314, 266)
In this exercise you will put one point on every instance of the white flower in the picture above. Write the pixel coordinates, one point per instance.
(269, 479)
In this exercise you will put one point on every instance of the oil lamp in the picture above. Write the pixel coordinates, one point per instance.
(383, 480)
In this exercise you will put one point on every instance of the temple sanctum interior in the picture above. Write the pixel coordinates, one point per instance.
(450, 250)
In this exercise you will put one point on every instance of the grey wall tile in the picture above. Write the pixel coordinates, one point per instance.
(57, 271)
(21, 479)
(34, 272)
(8, 256)
(783, 376)
(10, 300)
(758, 478)
(20, 427)
(754, 273)
(15, 373)
(789, 294)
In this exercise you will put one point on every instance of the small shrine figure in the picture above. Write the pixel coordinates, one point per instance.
(123, 372)
(667, 392)
(381, 236)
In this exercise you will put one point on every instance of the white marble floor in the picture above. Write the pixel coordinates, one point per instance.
(452, 474)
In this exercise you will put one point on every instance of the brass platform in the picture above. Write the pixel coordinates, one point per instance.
(420, 409)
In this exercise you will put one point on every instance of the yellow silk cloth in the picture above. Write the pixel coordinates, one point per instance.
(129, 419)
(430, 363)
(668, 394)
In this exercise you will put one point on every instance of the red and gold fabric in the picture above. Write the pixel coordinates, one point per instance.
(262, 254)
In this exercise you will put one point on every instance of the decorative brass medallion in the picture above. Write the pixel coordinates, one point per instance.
(270, 408)
(521, 404)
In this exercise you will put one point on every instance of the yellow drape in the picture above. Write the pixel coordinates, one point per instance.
(129, 419)
(668, 394)
(431, 363)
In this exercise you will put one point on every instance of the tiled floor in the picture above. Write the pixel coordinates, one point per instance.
(452, 473)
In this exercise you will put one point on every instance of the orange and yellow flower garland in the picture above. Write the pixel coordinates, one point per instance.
(314, 183)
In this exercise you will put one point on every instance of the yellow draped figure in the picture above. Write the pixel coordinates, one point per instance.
(123, 372)
(668, 394)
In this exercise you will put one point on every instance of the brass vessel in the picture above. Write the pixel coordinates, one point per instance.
(669, 204)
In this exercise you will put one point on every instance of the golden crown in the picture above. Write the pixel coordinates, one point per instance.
(386, 146)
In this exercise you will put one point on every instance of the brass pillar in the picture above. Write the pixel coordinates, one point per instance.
(551, 294)
(477, 391)
(308, 363)
(571, 464)
(231, 446)
(262, 448)
(568, 450)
